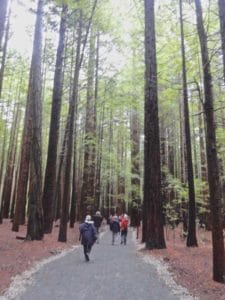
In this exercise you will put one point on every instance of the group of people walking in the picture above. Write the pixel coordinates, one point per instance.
(119, 224)
(89, 230)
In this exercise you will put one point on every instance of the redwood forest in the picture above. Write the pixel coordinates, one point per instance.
(115, 106)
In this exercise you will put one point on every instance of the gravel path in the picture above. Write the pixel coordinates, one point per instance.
(114, 272)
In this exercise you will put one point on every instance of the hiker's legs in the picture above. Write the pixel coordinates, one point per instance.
(122, 237)
(113, 237)
(97, 229)
(87, 250)
(125, 237)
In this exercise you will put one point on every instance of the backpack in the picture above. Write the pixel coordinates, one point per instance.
(124, 224)
(88, 235)
(115, 225)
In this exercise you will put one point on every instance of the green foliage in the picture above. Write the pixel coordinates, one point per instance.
(120, 24)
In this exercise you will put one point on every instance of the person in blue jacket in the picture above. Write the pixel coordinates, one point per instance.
(88, 236)
(114, 227)
(97, 218)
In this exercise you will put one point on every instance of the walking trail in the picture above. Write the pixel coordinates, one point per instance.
(113, 272)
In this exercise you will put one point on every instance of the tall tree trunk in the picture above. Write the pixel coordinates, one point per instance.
(71, 118)
(80, 170)
(194, 142)
(50, 172)
(205, 216)
(96, 203)
(22, 182)
(163, 163)
(13, 195)
(191, 238)
(3, 155)
(135, 164)
(87, 194)
(109, 167)
(135, 150)
(35, 214)
(221, 4)
(99, 160)
(70, 141)
(183, 156)
(212, 160)
(119, 201)
(171, 151)
(59, 180)
(73, 202)
(74, 183)
(152, 172)
(201, 126)
(7, 188)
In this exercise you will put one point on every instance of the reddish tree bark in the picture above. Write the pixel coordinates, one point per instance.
(69, 143)
(50, 172)
(191, 238)
(35, 214)
(8, 180)
(212, 160)
(88, 190)
(153, 220)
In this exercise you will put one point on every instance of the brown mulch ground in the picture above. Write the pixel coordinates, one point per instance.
(192, 267)
(17, 256)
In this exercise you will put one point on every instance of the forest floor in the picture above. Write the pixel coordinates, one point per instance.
(191, 267)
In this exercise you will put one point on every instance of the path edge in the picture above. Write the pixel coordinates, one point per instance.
(21, 281)
(162, 269)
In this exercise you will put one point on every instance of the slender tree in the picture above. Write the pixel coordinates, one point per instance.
(8, 180)
(99, 158)
(135, 164)
(191, 238)
(152, 174)
(70, 141)
(87, 194)
(135, 150)
(70, 123)
(22, 182)
(50, 172)
(3, 156)
(211, 149)
(97, 202)
(73, 202)
(35, 214)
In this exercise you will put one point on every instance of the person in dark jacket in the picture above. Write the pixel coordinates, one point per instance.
(97, 218)
(114, 227)
(88, 236)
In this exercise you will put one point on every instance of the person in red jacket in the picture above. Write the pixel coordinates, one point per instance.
(124, 229)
